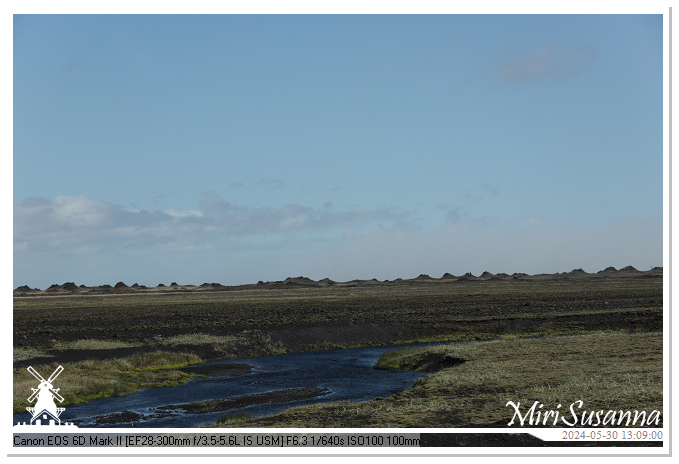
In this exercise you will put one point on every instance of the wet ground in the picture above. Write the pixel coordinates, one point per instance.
(258, 386)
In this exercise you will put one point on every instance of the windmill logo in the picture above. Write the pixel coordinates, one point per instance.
(45, 408)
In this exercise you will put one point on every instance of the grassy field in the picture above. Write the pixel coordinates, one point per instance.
(92, 379)
(87, 330)
(607, 371)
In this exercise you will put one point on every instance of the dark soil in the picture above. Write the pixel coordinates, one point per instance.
(118, 418)
(299, 314)
(433, 362)
(219, 370)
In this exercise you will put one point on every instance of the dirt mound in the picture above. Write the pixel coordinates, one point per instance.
(428, 361)
(120, 285)
(106, 288)
(468, 276)
(447, 276)
(68, 286)
(432, 362)
(216, 285)
(608, 269)
(25, 288)
(299, 281)
(577, 271)
(487, 275)
(628, 269)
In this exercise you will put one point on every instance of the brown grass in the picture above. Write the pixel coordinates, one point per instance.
(87, 380)
(605, 371)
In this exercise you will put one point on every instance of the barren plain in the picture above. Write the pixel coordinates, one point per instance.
(78, 324)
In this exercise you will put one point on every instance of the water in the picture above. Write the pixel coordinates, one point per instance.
(347, 374)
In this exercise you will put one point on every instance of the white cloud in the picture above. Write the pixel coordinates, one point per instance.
(82, 224)
(80, 239)
(182, 213)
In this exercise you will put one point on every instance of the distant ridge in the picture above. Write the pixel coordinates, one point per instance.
(467, 276)
(610, 269)
(577, 271)
(486, 277)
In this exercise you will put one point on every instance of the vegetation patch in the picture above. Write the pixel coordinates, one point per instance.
(610, 371)
(91, 344)
(230, 419)
(196, 339)
(87, 380)
(26, 352)
(415, 359)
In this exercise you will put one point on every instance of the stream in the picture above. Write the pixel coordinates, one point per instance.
(335, 375)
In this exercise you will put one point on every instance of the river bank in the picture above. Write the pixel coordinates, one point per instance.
(263, 385)
(72, 327)
(578, 374)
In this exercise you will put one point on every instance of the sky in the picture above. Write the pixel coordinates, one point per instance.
(236, 148)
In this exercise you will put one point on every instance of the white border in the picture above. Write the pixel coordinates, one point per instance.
(355, 7)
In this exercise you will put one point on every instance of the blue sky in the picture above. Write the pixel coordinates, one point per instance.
(232, 149)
